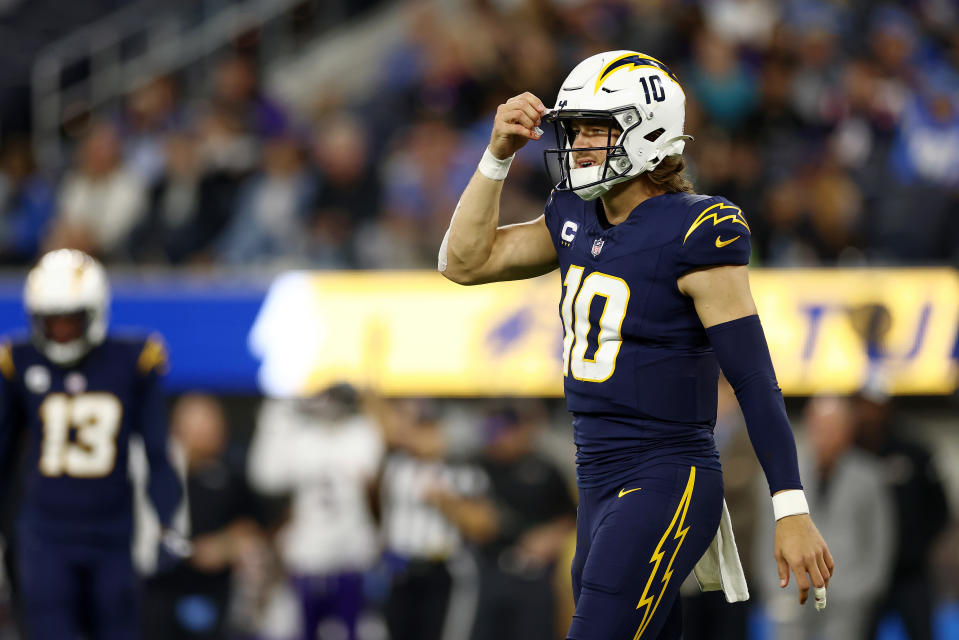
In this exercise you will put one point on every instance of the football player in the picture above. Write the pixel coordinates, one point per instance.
(80, 395)
(655, 300)
(324, 451)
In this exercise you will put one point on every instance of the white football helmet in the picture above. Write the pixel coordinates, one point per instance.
(67, 282)
(634, 93)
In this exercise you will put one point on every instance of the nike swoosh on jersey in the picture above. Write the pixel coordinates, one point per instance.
(722, 243)
(624, 491)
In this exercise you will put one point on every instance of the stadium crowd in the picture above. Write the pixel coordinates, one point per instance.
(836, 129)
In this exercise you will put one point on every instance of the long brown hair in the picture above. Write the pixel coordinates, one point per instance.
(669, 175)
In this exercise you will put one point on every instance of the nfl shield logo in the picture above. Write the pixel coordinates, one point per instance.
(597, 246)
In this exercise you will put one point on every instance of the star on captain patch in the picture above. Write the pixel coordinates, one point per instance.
(597, 246)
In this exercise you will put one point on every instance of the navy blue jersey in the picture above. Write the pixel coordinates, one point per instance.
(640, 376)
(79, 421)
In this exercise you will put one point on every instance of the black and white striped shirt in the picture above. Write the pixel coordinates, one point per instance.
(412, 527)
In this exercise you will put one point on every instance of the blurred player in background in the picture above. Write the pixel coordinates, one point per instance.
(854, 509)
(80, 395)
(655, 300)
(324, 451)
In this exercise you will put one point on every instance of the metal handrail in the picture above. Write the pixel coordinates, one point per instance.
(171, 44)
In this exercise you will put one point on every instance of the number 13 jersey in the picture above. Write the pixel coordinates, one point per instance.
(640, 376)
(79, 420)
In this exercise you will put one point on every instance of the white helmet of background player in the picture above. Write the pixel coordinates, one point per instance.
(67, 282)
(636, 94)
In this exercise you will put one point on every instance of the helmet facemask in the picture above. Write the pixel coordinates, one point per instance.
(591, 182)
(62, 350)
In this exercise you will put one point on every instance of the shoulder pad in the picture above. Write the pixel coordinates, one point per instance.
(7, 367)
(717, 213)
(153, 356)
(716, 233)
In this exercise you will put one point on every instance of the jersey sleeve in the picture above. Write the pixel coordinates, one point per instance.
(164, 488)
(715, 233)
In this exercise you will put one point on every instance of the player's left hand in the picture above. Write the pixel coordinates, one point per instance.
(173, 549)
(800, 547)
(541, 545)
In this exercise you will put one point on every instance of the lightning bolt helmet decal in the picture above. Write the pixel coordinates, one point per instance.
(635, 61)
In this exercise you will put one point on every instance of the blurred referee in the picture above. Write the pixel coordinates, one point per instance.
(429, 505)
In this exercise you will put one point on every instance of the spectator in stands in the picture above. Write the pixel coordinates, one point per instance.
(863, 125)
(924, 163)
(835, 207)
(429, 505)
(749, 23)
(817, 76)
(846, 491)
(272, 210)
(782, 88)
(431, 72)
(349, 190)
(783, 141)
(225, 147)
(152, 112)
(425, 173)
(192, 600)
(787, 237)
(237, 91)
(100, 202)
(534, 518)
(26, 204)
(721, 82)
(188, 207)
(922, 512)
(325, 452)
(894, 38)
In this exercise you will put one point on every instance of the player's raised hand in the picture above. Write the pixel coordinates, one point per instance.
(800, 547)
(515, 124)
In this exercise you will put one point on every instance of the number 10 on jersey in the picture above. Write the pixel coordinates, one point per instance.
(578, 296)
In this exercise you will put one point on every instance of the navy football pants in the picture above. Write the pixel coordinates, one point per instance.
(338, 596)
(635, 544)
(67, 589)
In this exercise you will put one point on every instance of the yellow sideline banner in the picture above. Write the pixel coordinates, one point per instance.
(415, 333)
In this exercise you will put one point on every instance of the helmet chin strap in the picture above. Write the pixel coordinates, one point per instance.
(586, 175)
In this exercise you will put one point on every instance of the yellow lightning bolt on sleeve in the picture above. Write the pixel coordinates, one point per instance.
(153, 356)
(713, 213)
(6, 361)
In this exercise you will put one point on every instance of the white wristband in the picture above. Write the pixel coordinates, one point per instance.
(789, 503)
(494, 168)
